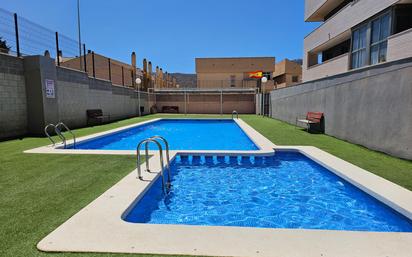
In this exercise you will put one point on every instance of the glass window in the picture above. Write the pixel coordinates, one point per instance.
(385, 27)
(379, 40)
(359, 47)
(378, 30)
(375, 31)
(374, 54)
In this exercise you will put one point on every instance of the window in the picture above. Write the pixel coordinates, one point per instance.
(232, 80)
(359, 47)
(369, 42)
(267, 75)
(379, 39)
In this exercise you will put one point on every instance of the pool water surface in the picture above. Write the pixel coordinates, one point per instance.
(287, 190)
(182, 134)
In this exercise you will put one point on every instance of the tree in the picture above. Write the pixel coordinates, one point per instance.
(4, 48)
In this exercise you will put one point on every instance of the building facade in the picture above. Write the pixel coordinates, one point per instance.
(232, 72)
(287, 73)
(354, 34)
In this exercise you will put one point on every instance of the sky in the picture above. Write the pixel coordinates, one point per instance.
(172, 33)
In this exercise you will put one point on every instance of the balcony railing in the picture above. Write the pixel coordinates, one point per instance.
(399, 45)
(337, 65)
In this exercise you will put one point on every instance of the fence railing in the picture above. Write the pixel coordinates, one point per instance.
(21, 37)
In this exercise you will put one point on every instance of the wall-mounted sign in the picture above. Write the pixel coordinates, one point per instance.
(256, 74)
(50, 92)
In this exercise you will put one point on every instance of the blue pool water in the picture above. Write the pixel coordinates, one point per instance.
(287, 190)
(181, 134)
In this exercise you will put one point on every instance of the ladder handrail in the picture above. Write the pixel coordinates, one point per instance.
(167, 155)
(165, 186)
(59, 133)
(47, 133)
(237, 114)
(68, 130)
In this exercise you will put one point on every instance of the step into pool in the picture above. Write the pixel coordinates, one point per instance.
(286, 190)
(182, 134)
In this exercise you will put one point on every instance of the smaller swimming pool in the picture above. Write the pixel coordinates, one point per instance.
(287, 190)
(182, 134)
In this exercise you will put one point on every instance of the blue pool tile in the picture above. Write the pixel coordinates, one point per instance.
(287, 190)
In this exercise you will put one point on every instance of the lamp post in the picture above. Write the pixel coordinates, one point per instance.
(80, 41)
(138, 82)
(262, 99)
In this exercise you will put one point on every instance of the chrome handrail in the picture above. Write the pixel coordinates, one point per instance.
(47, 133)
(167, 156)
(165, 186)
(233, 114)
(68, 130)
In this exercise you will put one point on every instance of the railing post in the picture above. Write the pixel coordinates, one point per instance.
(16, 29)
(185, 96)
(221, 102)
(57, 49)
(110, 69)
(122, 76)
(84, 58)
(94, 69)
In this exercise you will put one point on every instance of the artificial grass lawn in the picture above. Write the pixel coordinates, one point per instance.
(38, 192)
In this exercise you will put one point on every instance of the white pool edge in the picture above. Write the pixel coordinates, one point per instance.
(265, 146)
(99, 228)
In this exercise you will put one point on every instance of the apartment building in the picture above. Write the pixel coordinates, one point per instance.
(287, 73)
(355, 34)
(232, 72)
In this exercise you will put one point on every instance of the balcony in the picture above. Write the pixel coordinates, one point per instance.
(316, 10)
(399, 45)
(337, 65)
(347, 18)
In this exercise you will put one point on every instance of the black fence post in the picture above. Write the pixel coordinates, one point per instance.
(84, 58)
(94, 71)
(110, 69)
(122, 76)
(57, 49)
(16, 29)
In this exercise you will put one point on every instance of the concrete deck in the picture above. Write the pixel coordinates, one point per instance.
(99, 228)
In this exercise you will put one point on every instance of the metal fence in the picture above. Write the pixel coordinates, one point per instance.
(21, 37)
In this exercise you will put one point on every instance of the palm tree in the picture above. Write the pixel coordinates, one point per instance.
(4, 48)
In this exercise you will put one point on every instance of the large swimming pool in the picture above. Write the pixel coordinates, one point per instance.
(287, 190)
(182, 134)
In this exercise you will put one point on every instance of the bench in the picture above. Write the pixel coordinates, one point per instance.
(170, 109)
(95, 116)
(315, 122)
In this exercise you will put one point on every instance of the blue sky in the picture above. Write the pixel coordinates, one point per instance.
(171, 33)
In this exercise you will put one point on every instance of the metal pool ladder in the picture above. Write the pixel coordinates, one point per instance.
(233, 114)
(165, 185)
(59, 133)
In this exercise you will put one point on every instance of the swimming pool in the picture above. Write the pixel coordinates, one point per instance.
(287, 190)
(182, 134)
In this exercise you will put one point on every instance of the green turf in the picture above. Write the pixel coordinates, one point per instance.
(38, 192)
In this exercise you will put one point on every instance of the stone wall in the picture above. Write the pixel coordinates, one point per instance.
(76, 93)
(370, 106)
(13, 110)
(25, 108)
